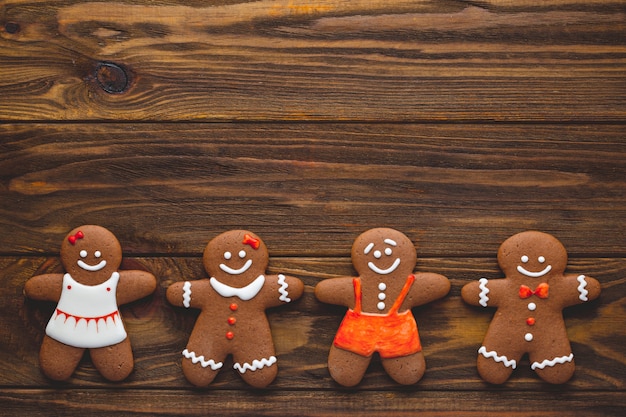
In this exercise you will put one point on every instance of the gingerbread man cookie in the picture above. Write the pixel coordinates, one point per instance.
(529, 305)
(379, 318)
(87, 314)
(233, 303)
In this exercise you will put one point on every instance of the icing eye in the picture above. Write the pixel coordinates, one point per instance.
(83, 253)
(388, 251)
(524, 258)
(242, 253)
(377, 254)
(97, 254)
(541, 259)
(227, 255)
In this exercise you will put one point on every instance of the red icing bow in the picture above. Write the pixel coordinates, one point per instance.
(249, 240)
(541, 291)
(74, 238)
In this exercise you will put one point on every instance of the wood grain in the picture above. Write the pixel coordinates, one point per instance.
(310, 189)
(322, 60)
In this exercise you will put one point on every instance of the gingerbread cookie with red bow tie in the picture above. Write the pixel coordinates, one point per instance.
(529, 304)
(87, 315)
(233, 301)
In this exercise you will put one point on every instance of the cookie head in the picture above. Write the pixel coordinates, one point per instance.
(90, 254)
(383, 251)
(236, 257)
(532, 255)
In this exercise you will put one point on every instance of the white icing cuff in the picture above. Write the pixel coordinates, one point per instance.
(284, 295)
(552, 362)
(256, 364)
(186, 293)
(483, 292)
(494, 355)
(581, 288)
(204, 363)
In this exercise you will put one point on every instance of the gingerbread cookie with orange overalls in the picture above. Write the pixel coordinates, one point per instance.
(379, 318)
(529, 305)
(87, 314)
(233, 301)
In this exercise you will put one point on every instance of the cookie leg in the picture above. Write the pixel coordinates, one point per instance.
(260, 370)
(345, 367)
(406, 370)
(114, 362)
(555, 369)
(496, 365)
(201, 366)
(58, 360)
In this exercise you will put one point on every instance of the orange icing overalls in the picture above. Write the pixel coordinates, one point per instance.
(391, 335)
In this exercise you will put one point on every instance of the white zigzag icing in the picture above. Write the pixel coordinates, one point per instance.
(284, 295)
(256, 364)
(581, 288)
(204, 363)
(494, 355)
(186, 293)
(483, 292)
(552, 362)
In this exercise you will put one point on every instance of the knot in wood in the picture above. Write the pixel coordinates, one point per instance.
(111, 77)
(12, 27)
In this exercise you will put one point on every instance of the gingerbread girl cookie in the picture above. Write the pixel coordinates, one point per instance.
(87, 315)
(233, 303)
(379, 318)
(529, 305)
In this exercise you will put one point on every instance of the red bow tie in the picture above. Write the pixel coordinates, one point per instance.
(541, 291)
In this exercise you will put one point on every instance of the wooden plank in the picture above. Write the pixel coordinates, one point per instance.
(324, 60)
(77, 402)
(310, 189)
(451, 331)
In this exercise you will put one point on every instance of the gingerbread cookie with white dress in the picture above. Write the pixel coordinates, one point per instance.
(529, 304)
(233, 301)
(87, 314)
(380, 299)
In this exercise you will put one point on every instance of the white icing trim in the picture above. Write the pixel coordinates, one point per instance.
(204, 363)
(368, 248)
(256, 364)
(494, 355)
(239, 271)
(390, 242)
(186, 293)
(92, 268)
(482, 284)
(581, 288)
(541, 273)
(384, 271)
(284, 295)
(245, 293)
(552, 362)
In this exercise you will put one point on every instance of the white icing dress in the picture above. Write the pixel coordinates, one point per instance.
(87, 315)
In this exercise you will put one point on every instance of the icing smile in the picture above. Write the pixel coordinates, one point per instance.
(239, 271)
(92, 268)
(528, 273)
(389, 270)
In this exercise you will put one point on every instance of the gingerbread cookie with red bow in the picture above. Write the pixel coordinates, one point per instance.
(529, 304)
(379, 318)
(87, 314)
(233, 301)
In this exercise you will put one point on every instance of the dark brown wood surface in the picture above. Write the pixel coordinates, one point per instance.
(308, 122)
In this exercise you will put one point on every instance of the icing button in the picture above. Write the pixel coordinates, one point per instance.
(232, 320)
(382, 286)
(530, 321)
(528, 337)
(532, 306)
(233, 307)
(381, 306)
(381, 296)
(230, 335)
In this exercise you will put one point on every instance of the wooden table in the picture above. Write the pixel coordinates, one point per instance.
(308, 122)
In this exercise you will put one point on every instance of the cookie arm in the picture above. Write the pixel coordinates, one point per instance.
(280, 289)
(134, 285)
(339, 291)
(188, 293)
(578, 289)
(46, 287)
(427, 287)
(483, 293)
